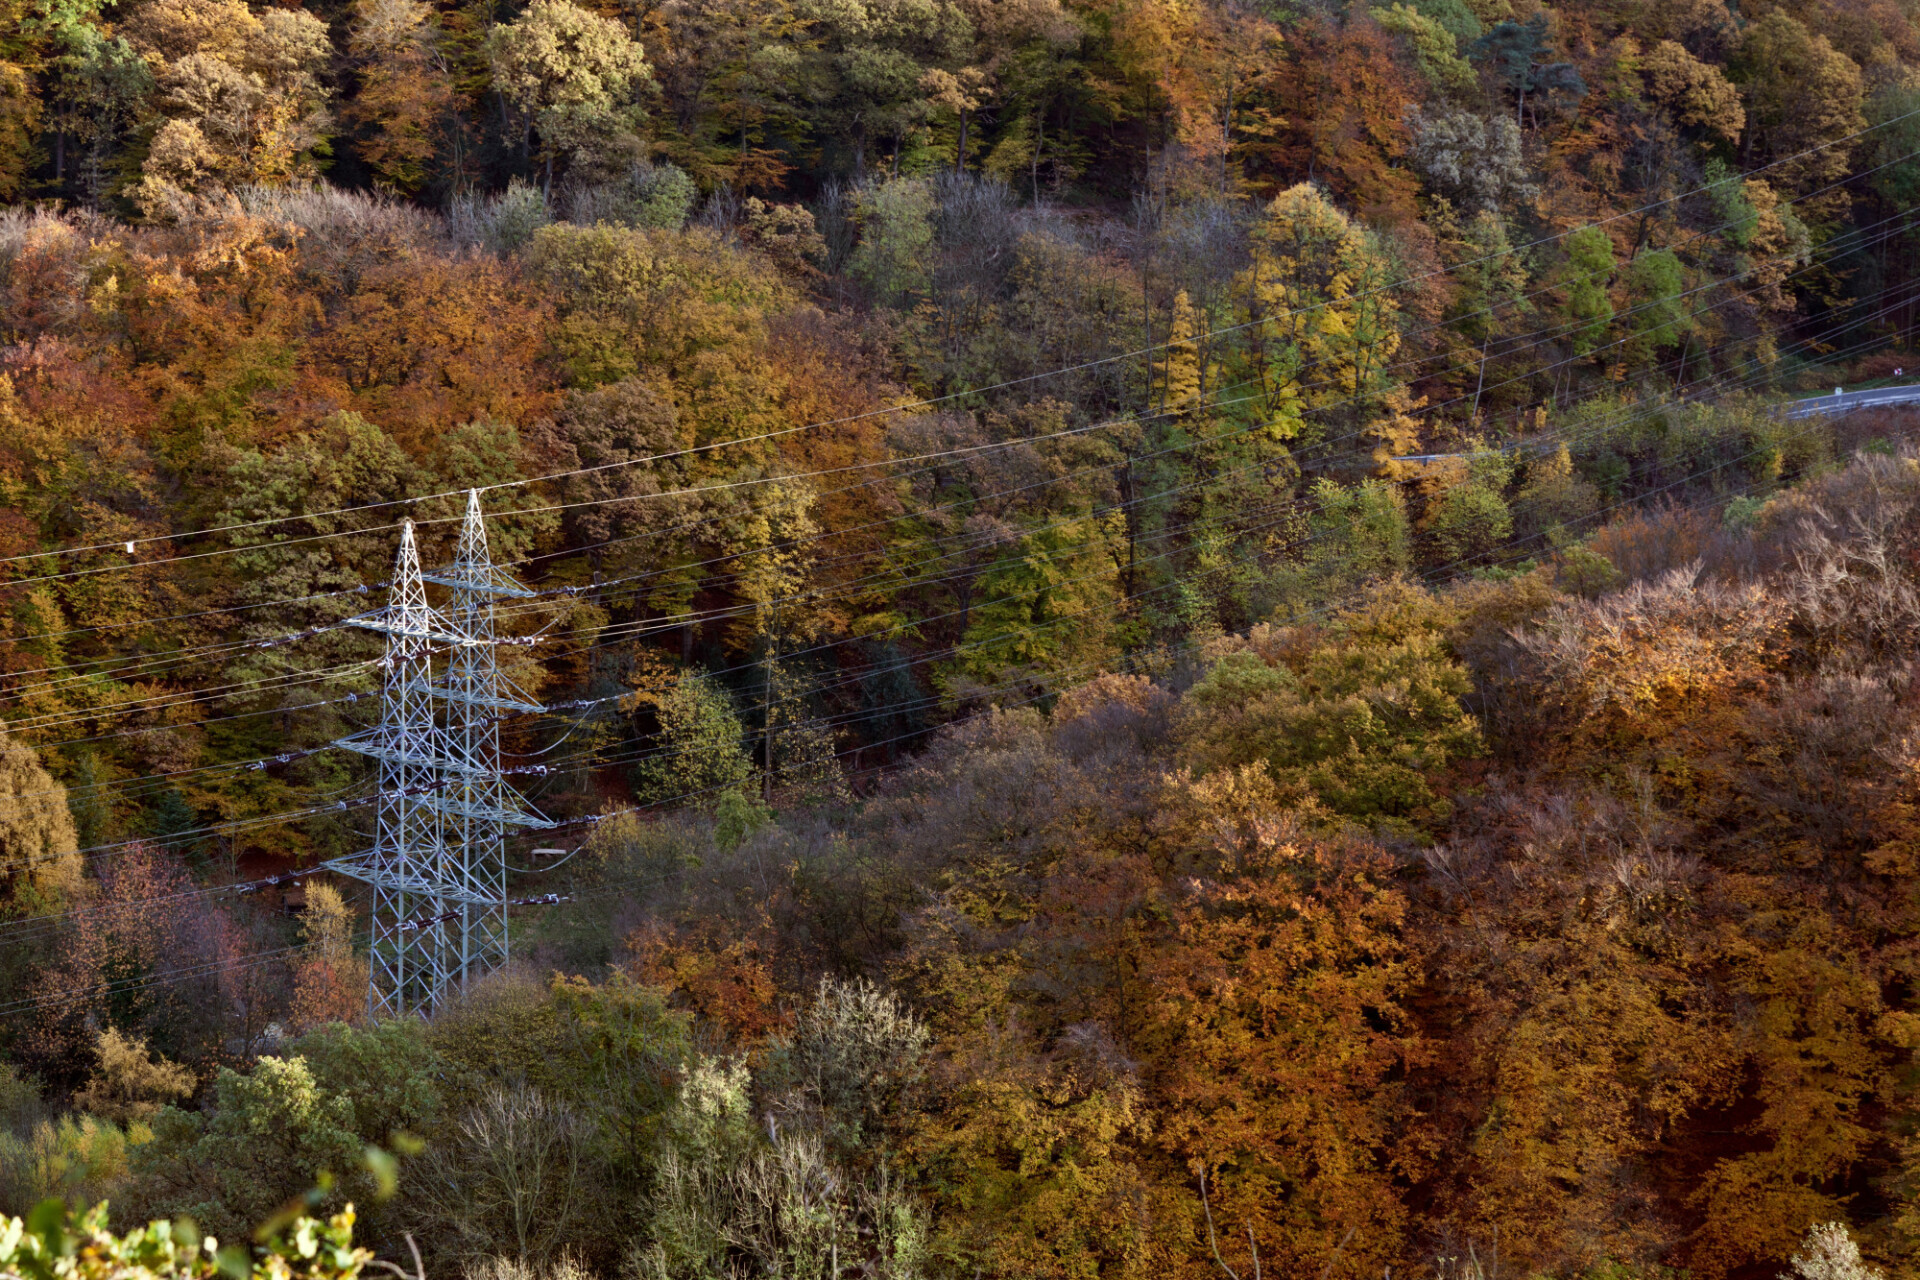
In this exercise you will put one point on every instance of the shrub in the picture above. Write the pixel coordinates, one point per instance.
(1468, 517)
(852, 1055)
(600, 1061)
(1846, 544)
(290, 1122)
(728, 1200)
(511, 1178)
(1829, 1253)
(270, 1136)
(131, 1084)
(52, 1244)
(79, 1157)
(565, 1267)
(648, 195)
(500, 223)
(20, 1105)
(1647, 545)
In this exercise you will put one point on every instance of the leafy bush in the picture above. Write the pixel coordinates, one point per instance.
(853, 1053)
(1468, 517)
(289, 1123)
(82, 1158)
(649, 195)
(702, 753)
(1357, 716)
(730, 1199)
(501, 223)
(20, 1104)
(52, 1244)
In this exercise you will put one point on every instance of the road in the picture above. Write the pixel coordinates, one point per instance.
(1853, 400)
(1804, 408)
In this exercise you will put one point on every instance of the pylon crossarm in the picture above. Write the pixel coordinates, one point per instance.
(498, 584)
(388, 753)
(415, 630)
(480, 811)
(479, 699)
(417, 884)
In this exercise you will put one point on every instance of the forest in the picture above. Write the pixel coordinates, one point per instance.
(1174, 638)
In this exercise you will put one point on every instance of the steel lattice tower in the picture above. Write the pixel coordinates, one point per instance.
(437, 867)
(406, 865)
(475, 803)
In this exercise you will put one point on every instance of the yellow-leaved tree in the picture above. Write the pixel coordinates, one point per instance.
(1321, 326)
(240, 97)
(39, 858)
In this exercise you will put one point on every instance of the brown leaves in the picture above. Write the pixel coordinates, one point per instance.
(727, 982)
(1645, 669)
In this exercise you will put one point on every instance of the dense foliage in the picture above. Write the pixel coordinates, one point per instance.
(1193, 634)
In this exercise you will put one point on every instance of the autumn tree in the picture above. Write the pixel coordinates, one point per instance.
(1471, 159)
(131, 1083)
(329, 980)
(239, 95)
(1358, 718)
(575, 76)
(1321, 323)
(96, 88)
(406, 94)
(1285, 957)
(20, 108)
(38, 851)
(863, 70)
(1697, 93)
(702, 750)
(1802, 97)
(722, 68)
(1589, 276)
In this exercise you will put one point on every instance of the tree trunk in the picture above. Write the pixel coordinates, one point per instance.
(1039, 136)
(1481, 385)
(766, 779)
(1226, 138)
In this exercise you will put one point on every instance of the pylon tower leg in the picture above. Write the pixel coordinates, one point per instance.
(473, 738)
(408, 970)
(476, 804)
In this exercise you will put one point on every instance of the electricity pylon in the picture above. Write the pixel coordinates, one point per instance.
(438, 862)
(475, 803)
(406, 865)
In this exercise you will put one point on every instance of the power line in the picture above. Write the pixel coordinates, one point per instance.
(921, 583)
(783, 432)
(1073, 431)
(45, 1000)
(935, 581)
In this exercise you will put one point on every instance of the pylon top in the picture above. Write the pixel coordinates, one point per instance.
(407, 613)
(472, 568)
(472, 551)
(406, 561)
